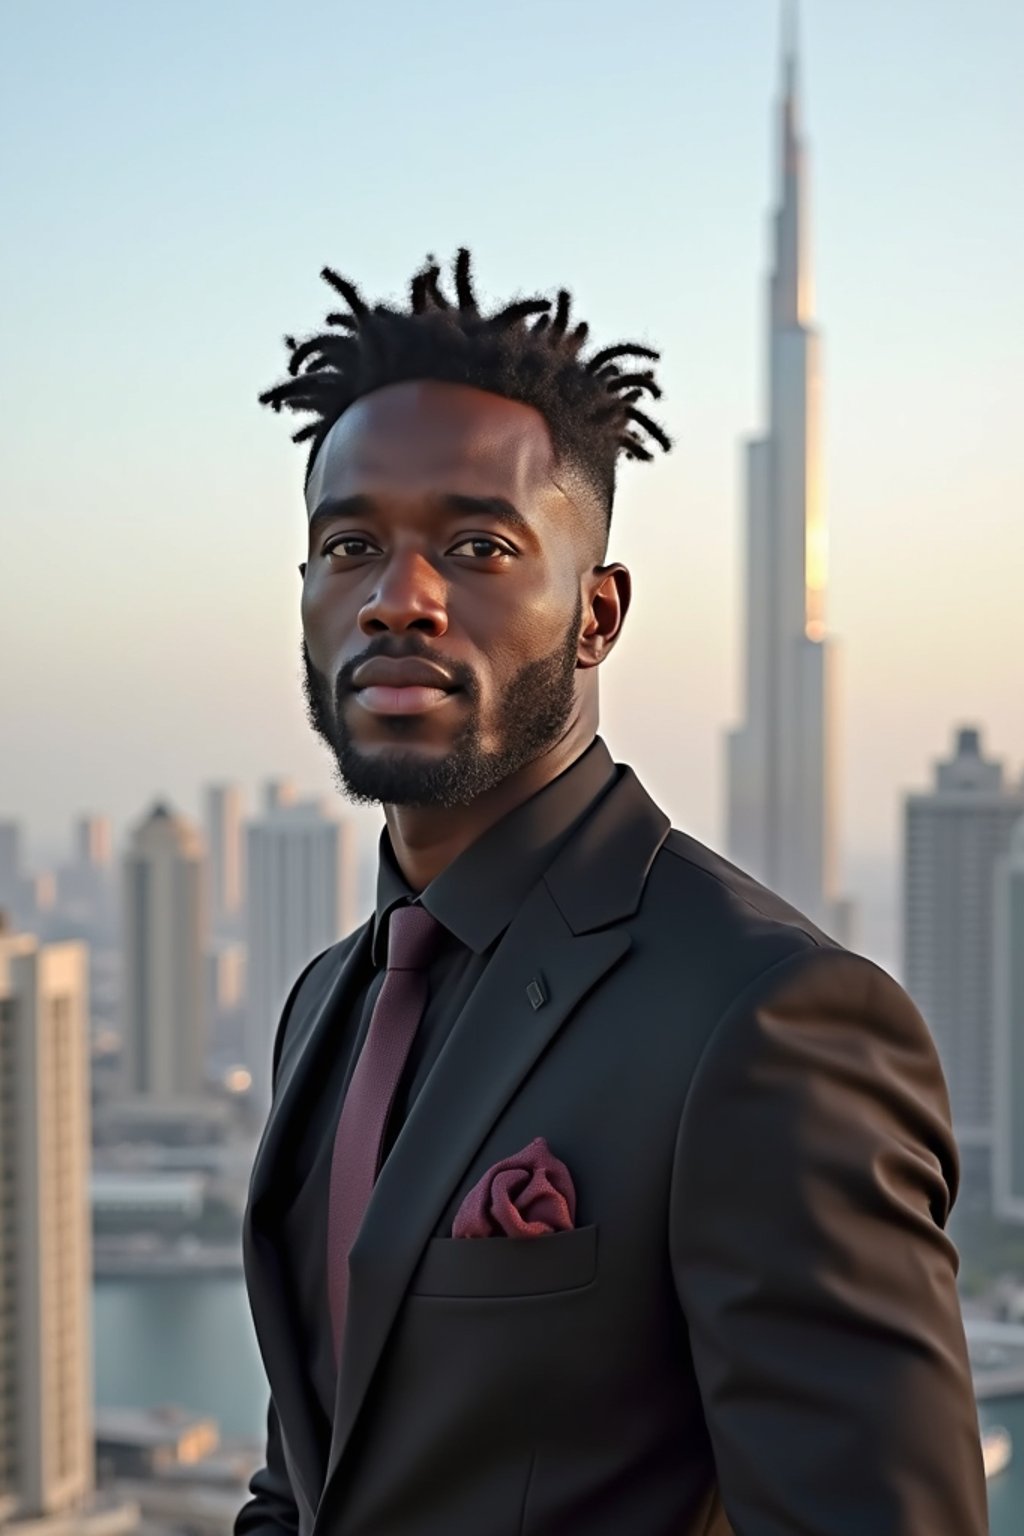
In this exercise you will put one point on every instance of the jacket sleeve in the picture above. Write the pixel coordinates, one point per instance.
(272, 1508)
(814, 1172)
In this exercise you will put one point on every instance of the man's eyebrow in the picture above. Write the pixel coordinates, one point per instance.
(331, 508)
(498, 507)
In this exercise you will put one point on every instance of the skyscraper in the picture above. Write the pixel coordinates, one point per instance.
(1008, 1032)
(278, 792)
(164, 935)
(86, 885)
(11, 872)
(225, 849)
(46, 1451)
(780, 760)
(954, 836)
(92, 841)
(300, 898)
(25, 897)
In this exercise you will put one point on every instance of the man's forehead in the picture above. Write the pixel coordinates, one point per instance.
(417, 432)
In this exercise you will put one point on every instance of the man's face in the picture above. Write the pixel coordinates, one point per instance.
(441, 604)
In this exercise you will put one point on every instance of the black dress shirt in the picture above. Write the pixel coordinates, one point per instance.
(475, 899)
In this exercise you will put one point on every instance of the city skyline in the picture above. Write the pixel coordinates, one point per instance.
(171, 562)
(173, 842)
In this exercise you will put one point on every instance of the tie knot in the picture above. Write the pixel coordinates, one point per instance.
(414, 938)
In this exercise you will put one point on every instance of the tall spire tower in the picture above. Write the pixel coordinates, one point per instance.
(781, 812)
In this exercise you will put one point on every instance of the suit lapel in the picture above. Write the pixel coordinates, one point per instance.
(313, 1037)
(492, 1046)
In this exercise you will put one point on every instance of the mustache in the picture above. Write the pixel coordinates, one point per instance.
(461, 674)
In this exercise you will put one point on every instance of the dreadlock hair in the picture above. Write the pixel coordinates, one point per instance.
(522, 351)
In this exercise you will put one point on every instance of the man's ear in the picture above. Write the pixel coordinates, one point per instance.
(609, 604)
(302, 570)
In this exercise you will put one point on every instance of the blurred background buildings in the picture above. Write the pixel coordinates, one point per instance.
(1008, 1031)
(126, 1141)
(47, 1458)
(142, 977)
(301, 898)
(956, 834)
(165, 1028)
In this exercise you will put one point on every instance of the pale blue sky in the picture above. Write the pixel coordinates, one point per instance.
(175, 175)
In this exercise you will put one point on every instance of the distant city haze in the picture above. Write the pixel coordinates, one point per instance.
(173, 182)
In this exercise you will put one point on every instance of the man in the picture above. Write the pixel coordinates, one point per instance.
(601, 1192)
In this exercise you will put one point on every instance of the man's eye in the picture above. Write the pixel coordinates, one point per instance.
(482, 548)
(345, 544)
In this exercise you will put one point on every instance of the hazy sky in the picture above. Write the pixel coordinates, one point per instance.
(173, 178)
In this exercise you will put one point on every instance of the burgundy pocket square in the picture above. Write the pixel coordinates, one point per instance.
(528, 1194)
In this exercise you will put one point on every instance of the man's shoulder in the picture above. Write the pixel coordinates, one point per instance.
(694, 871)
(713, 913)
(711, 933)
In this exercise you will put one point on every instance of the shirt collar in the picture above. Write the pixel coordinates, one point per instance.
(479, 893)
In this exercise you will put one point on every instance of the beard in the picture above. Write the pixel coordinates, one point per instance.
(533, 712)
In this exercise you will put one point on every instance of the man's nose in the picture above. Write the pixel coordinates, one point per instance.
(410, 594)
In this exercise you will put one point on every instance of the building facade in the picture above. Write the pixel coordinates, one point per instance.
(87, 885)
(781, 760)
(225, 847)
(11, 872)
(1008, 1032)
(954, 836)
(46, 1445)
(92, 841)
(300, 899)
(164, 926)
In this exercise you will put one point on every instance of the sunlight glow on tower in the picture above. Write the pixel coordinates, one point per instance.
(781, 760)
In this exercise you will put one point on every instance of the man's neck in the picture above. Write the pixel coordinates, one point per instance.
(426, 839)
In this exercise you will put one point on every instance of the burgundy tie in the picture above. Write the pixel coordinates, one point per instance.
(413, 940)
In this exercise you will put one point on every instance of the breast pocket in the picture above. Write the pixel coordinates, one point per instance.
(507, 1266)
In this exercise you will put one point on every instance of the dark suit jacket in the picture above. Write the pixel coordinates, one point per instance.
(754, 1327)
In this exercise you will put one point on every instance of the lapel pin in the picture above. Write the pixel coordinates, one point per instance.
(536, 993)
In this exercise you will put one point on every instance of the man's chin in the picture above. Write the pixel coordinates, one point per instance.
(418, 775)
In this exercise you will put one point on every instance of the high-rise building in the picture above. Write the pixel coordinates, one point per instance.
(38, 902)
(225, 977)
(92, 841)
(1008, 1032)
(278, 792)
(46, 1450)
(47, 1457)
(225, 846)
(85, 897)
(954, 835)
(164, 942)
(780, 761)
(225, 992)
(26, 897)
(300, 898)
(11, 872)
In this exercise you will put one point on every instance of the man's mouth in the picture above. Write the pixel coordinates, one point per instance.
(413, 699)
(410, 685)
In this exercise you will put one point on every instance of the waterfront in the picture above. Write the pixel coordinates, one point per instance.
(189, 1340)
(1006, 1492)
(186, 1340)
